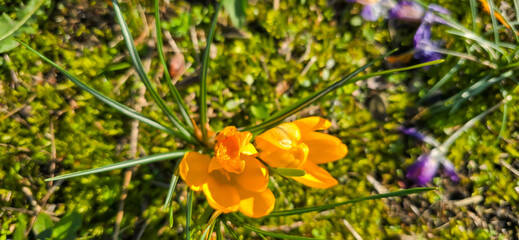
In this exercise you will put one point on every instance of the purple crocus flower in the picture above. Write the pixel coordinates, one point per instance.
(413, 132)
(423, 170)
(407, 11)
(426, 166)
(424, 46)
(374, 9)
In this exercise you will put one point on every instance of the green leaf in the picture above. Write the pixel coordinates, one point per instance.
(43, 226)
(10, 26)
(203, 76)
(236, 10)
(110, 102)
(178, 99)
(333, 205)
(171, 217)
(443, 80)
(208, 231)
(21, 226)
(260, 111)
(137, 63)
(189, 213)
(125, 164)
(494, 21)
(230, 231)
(474, 14)
(172, 185)
(7, 45)
(67, 227)
(218, 232)
(286, 112)
(290, 172)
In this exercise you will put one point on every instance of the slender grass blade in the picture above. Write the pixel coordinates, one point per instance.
(125, 164)
(272, 234)
(333, 205)
(110, 102)
(137, 63)
(33, 7)
(176, 95)
(280, 116)
(172, 185)
(203, 77)
(189, 213)
(296, 107)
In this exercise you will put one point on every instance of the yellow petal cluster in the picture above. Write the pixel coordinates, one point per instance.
(233, 179)
(298, 145)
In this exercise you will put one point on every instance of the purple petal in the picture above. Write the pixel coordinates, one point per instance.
(370, 12)
(439, 9)
(412, 132)
(426, 55)
(366, 2)
(423, 34)
(407, 11)
(423, 170)
(422, 43)
(450, 170)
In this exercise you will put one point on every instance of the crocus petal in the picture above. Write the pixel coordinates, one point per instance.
(323, 148)
(423, 170)
(249, 149)
(257, 204)
(407, 11)
(255, 176)
(370, 12)
(413, 132)
(194, 169)
(316, 176)
(438, 8)
(366, 2)
(292, 158)
(220, 194)
(311, 124)
(450, 170)
(283, 136)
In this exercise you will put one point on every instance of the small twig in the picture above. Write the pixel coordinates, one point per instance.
(146, 28)
(123, 79)
(308, 65)
(30, 99)
(134, 135)
(52, 164)
(37, 207)
(355, 234)
(14, 76)
(32, 201)
(307, 51)
(264, 65)
(143, 227)
(31, 212)
(194, 39)
(512, 169)
(468, 201)
(376, 184)
(172, 42)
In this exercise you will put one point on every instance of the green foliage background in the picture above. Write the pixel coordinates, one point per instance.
(245, 78)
